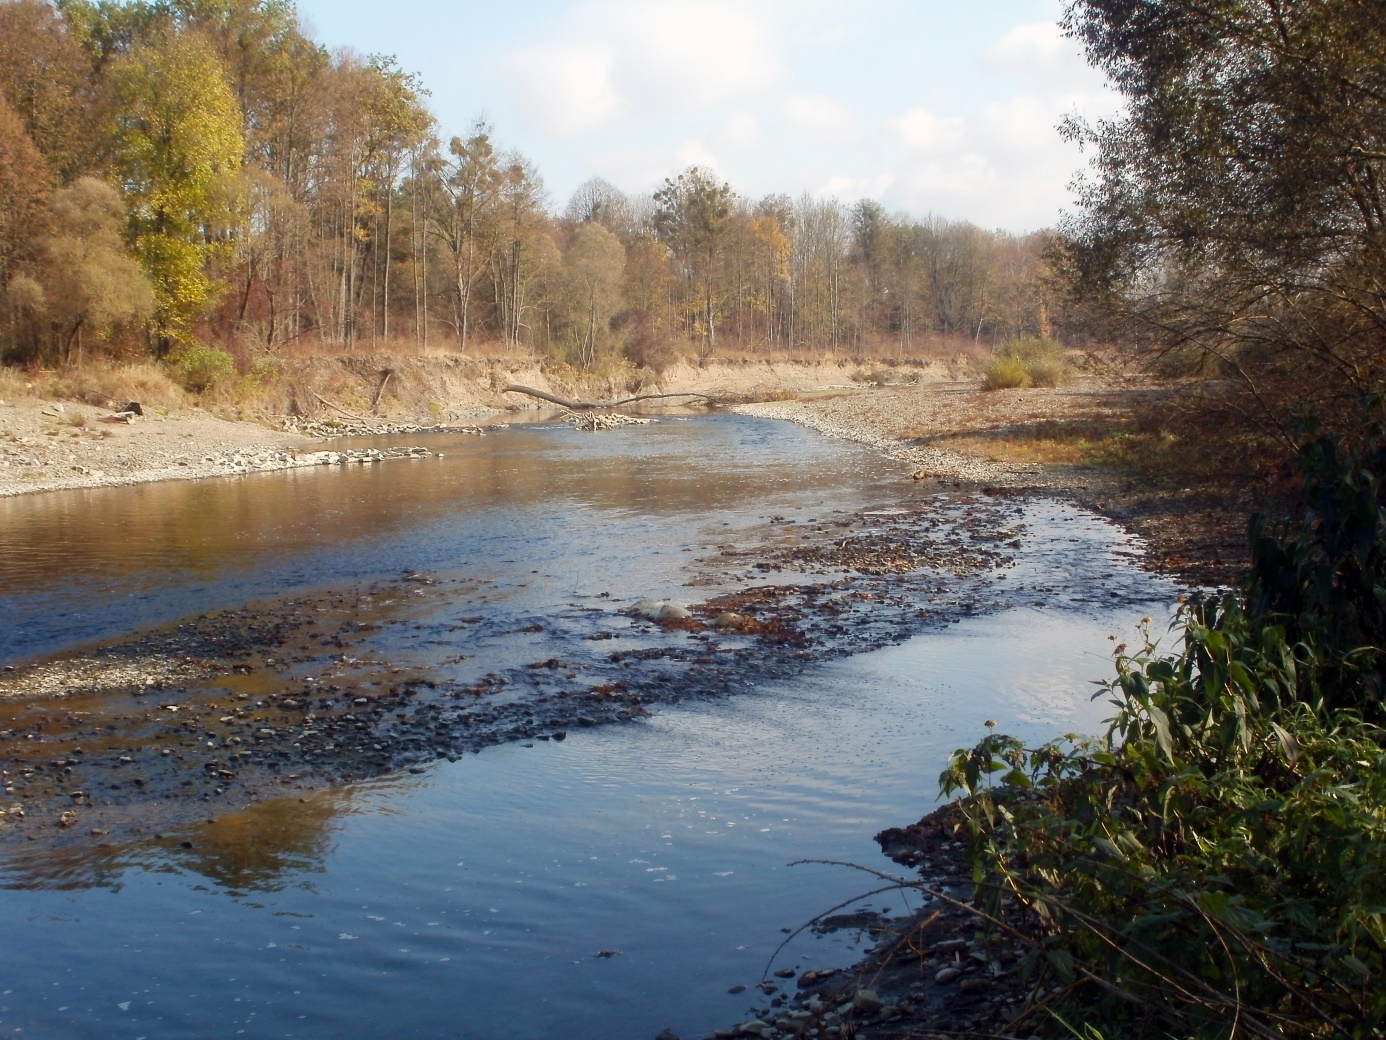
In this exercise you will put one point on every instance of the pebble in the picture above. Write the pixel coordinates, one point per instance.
(867, 1001)
(947, 975)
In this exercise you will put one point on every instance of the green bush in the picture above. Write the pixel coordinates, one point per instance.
(1217, 863)
(1029, 361)
(201, 369)
(1005, 373)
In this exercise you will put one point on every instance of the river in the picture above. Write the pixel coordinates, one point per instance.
(607, 885)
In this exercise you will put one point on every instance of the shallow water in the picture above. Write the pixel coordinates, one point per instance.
(473, 900)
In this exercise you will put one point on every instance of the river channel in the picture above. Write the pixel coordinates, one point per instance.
(496, 882)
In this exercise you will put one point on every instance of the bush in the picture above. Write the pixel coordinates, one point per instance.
(1217, 863)
(1030, 361)
(1005, 373)
(201, 369)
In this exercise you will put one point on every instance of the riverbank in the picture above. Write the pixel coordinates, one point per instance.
(58, 431)
(1048, 441)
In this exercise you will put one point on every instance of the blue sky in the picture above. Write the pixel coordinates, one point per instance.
(927, 106)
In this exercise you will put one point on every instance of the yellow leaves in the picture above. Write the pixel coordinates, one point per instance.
(179, 146)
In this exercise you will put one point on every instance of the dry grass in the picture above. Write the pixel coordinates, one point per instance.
(100, 382)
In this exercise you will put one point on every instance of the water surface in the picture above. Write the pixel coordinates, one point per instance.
(476, 899)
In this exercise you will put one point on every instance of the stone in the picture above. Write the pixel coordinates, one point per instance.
(674, 612)
(729, 620)
(736, 990)
(785, 973)
(755, 1027)
(867, 1001)
(947, 975)
(668, 1034)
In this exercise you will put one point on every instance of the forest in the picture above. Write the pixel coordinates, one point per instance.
(199, 176)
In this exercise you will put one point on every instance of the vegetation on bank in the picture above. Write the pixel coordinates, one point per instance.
(1216, 864)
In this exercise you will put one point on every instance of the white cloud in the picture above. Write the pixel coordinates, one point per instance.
(562, 89)
(921, 130)
(645, 58)
(850, 189)
(823, 118)
(695, 153)
(1040, 52)
(688, 52)
(741, 130)
(1022, 123)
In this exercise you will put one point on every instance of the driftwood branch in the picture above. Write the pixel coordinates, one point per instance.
(588, 406)
(385, 374)
(339, 408)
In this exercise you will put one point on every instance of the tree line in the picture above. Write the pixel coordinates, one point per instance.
(184, 172)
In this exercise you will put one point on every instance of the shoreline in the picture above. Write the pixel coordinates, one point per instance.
(52, 446)
(1192, 534)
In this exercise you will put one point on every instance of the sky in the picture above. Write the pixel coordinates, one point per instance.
(949, 107)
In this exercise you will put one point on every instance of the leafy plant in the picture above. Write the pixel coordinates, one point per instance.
(201, 368)
(1216, 863)
(1006, 373)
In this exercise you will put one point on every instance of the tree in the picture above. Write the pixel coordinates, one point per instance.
(692, 217)
(593, 266)
(45, 79)
(178, 148)
(471, 186)
(1235, 220)
(83, 280)
(24, 182)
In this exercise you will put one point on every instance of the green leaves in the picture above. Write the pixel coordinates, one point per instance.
(1220, 856)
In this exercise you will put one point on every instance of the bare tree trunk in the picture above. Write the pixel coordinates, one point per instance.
(389, 230)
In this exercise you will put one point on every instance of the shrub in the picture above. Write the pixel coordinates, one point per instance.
(1006, 373)
(201, 369)
(1217, 863)
(1029, 361)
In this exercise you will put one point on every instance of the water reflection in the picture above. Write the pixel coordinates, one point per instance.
(79, 565)
(262, 848)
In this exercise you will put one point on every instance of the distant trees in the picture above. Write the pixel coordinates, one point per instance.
(274, 194)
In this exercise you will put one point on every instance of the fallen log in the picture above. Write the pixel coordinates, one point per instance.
(589, 406)
(339, 408)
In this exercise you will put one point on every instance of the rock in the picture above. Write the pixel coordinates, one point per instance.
(134, 408)
(737, 990)
(67, 819)
(755, 1027)
(674, 612)
(951, 946)
(947, 975)
(975, 983)
(647, 607)
(668, 1034)
(867, 1001)
(730, 620)
(785, 973)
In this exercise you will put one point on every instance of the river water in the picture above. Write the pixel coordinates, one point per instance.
(606, 886)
